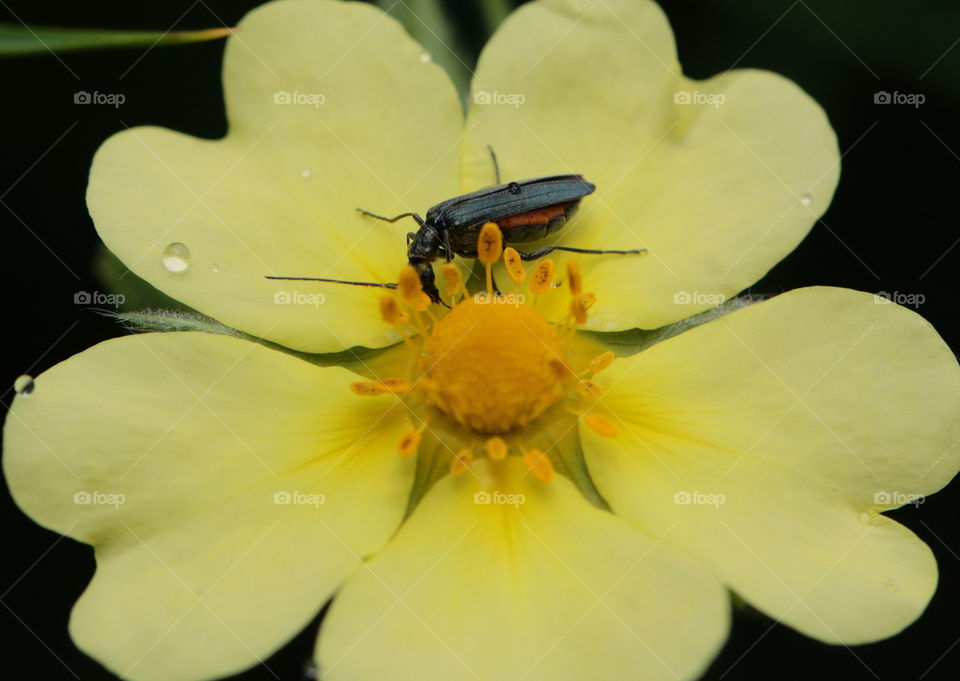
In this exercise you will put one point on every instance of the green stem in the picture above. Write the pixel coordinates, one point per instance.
(494, 12)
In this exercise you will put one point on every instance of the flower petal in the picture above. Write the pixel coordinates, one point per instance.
(228, 489)
(768, 439)
(331, 107)
(718, 189)
(537, 586)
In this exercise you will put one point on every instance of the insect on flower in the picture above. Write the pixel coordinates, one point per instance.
(524, 211)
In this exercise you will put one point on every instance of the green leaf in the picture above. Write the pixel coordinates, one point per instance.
(19, 39)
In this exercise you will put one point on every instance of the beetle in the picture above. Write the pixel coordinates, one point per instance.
(524, 211)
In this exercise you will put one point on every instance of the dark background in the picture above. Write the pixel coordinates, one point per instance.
(892, 227)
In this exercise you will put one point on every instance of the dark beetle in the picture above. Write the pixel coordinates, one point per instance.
(525, 211)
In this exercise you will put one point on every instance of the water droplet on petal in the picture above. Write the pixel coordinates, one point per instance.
(865, 517)
(24, 385)
(176, 257)
(215, 268)
(805, 199)
(305, 173)
(425, 57)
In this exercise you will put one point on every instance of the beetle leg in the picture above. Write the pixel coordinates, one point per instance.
(393, 219)
(447, 250)
(533, 255)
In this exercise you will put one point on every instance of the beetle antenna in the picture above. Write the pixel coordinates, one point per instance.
(496, 164)
(335, 281)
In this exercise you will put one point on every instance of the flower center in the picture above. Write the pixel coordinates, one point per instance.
(493, 364)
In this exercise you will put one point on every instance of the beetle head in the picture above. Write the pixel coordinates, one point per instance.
(427, 279)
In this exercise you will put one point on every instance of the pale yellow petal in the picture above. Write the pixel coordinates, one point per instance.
(718, 189)
(768, 439)
(512, 578)
(330, 107)
(228, 489)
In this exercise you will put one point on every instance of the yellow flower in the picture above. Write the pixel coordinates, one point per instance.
(230, 489)
(332, 107)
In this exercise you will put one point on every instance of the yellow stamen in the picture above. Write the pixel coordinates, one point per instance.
(421, 302)
(511, 258)
(578, 309)
(560, 368)
(367, 388)
(392, 314)
(386, 385)
(542, 276)
(408, 444)
(489, 244)
(409, 287)
(539, 465)
(390, 309)
(489, 248)
(574, 280)
(451, 273)
(461, 461)
(601, 425)
(602, 361)
(589, 389)
(394, 385)
(496, 448)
